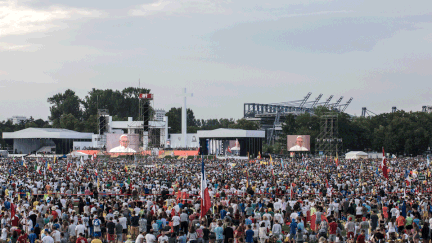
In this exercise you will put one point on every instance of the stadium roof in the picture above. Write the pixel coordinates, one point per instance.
(230, 133)
(54, 133)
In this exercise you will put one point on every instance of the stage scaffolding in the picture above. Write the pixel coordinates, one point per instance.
(328, 141)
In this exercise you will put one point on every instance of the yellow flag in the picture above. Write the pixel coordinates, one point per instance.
(271, 160)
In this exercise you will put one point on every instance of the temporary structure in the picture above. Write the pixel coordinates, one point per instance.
(356, 155)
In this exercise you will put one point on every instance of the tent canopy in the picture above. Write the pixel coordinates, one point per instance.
(356, 155)
(75, 154)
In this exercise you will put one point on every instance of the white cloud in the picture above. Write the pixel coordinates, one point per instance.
(12, 47)
(18, 20)
(181, 7)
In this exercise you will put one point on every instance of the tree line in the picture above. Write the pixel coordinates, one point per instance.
(174, 122)
(401, 133)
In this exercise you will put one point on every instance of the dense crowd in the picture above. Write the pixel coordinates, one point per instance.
(158, 200)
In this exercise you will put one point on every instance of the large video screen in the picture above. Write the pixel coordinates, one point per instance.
(234, 144)
(122, 143)
(298, 143)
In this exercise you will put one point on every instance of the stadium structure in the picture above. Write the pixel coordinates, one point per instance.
(270, 116)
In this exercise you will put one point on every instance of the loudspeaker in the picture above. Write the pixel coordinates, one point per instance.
(146, 117)
(102, 124)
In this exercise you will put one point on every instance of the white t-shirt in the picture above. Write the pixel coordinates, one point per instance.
(80, 229)
(359, 210)
(4, 234)
(123, 222)
(56, 236)
(176, 220)
(140, 239)
(163, 239)
(47, 239)
(394, 212)
(150, 238)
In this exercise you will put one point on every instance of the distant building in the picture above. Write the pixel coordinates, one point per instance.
(159, 114)
(17, 119)
(51, 140)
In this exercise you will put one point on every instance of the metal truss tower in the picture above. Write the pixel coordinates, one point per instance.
(328, 141)
(271, 116)
(146, 114)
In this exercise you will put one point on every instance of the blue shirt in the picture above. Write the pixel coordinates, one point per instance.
(7, 205)
(242, 207)
(248, 221)
(159, 222)
(300, 226)
(293, 227)
(223, 213)
(219, 233)
(182, 239)
(32, 237)
(249, 235)
(417, 222)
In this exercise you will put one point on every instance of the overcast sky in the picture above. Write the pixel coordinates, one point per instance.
(225, 52)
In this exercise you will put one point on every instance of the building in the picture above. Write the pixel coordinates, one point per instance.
(51, 140)
(159, 114)
(158, 130)
(17, 119)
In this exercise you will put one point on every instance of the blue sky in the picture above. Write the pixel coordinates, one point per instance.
(226, 52)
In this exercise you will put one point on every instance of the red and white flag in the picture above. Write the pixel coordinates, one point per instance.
(205, 196)
(13, 210)
(38, 170)
(292, 191)
(384, 165)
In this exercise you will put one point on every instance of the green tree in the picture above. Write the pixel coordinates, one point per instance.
(122, 104)
(174, 120)
(245, 124)
(64, 103)
(69, 121)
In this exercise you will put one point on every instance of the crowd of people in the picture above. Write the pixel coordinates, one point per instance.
(158, 200)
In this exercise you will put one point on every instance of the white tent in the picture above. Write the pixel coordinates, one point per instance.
(356, 155)
(75, 154)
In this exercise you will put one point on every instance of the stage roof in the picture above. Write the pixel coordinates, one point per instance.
(230, 133)
(53, 133)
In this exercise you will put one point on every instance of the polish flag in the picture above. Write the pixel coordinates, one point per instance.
(205, 196)
(292, 191)
(384, 165)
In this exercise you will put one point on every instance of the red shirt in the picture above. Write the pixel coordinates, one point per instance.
(361, 239)
(54, 214)
(15, 221)
(22, 238)
(81, 240)
(333, 227)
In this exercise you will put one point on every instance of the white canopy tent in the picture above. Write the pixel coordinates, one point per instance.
(356, 155)
(76, 154)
